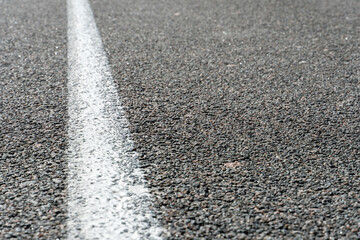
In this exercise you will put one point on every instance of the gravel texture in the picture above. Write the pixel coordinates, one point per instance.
(32, 119)
(246, 114)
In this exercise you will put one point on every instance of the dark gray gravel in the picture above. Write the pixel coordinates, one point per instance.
(32, 119)
(246, 114)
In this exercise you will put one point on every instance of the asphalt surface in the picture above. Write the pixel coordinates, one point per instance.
(245, 115)
(33, 117)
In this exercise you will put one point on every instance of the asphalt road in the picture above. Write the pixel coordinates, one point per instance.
(33, 103)
(245, 114)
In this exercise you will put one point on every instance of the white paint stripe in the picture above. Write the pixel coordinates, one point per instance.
(107, 197)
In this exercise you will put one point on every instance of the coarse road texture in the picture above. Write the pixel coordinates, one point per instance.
(245, 114)
(33, 117)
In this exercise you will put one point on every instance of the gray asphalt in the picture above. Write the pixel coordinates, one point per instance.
(245, 114)
(33, 116)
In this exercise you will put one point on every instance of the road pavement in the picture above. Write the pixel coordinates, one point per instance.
(245, 114)
(33, 118)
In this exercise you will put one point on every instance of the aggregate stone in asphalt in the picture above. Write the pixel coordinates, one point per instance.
(32, 119)
(246, 114)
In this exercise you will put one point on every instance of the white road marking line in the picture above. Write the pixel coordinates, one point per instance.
(107, 197)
